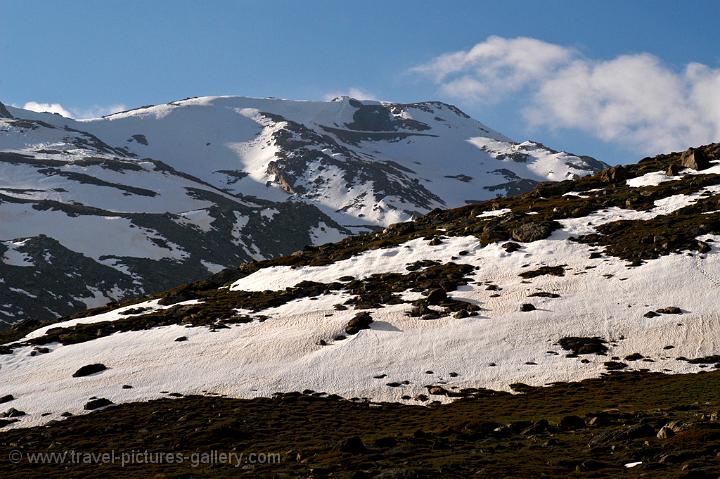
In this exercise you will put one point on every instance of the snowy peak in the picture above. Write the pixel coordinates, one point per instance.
(363, 163)
(185, 189)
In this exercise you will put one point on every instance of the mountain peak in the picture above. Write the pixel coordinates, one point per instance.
(4, 113)
(196, 185)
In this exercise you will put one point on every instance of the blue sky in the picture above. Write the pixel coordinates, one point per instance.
(632, 56)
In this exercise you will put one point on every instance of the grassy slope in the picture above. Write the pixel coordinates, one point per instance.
(485, 435)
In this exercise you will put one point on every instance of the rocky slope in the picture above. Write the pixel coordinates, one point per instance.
(141, 201)
(407, 348)
(623, 425)
(615, 271)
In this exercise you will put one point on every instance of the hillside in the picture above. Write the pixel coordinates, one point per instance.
(585, 296)
(612, 271)
(141, 201)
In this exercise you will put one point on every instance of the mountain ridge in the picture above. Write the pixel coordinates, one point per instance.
(185, 189)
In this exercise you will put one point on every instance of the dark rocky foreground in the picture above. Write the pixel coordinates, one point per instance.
(590, 429)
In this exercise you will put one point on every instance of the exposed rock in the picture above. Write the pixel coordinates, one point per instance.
(521, 387)
(97, 404)
(351, 445)
(12, 412)
(543, 294)
(511, 246)
(436, 296)
(571, 423)
(673, 170)
(613, 174)
(527, 307)
(665, 433)
(544, 270)
(581, 345)
(695, 159)
(669, 310)
(437, 391)
(614, 365)
(360, 321)
(703, 247)
(89, 369)
(6, 398)
(537, 428)
(534, 231)
(634, 357)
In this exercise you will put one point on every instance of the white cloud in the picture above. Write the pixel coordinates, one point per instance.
(356, 93)
(94, 111)
(497, 65)
(634, 100)
(47, 108)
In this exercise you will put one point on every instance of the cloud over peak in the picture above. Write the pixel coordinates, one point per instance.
(357, 93)
(634, 100)
(94, 111)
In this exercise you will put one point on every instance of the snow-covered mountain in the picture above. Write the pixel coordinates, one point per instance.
(100, 210)
(616, 271)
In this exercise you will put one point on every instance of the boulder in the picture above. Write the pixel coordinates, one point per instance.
(360, 321)
(535, 231)
(614, 174)
(537, 428)
(351, 445)
(703, 247)
(97, 403)
(12, 412)
(437, 391)
(510, 246)
(571, 423)
(6, 398)
(673, 170)
(436, 296)
(669, 310)
(695, 159)
(89, 369)
(614, 365)
(665, 433)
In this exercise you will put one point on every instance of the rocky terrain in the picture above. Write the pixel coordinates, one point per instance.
(562, 283)
(102, 210)
(574, 326)
(622, 425)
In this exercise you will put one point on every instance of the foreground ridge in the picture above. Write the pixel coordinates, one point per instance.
(636, 424)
